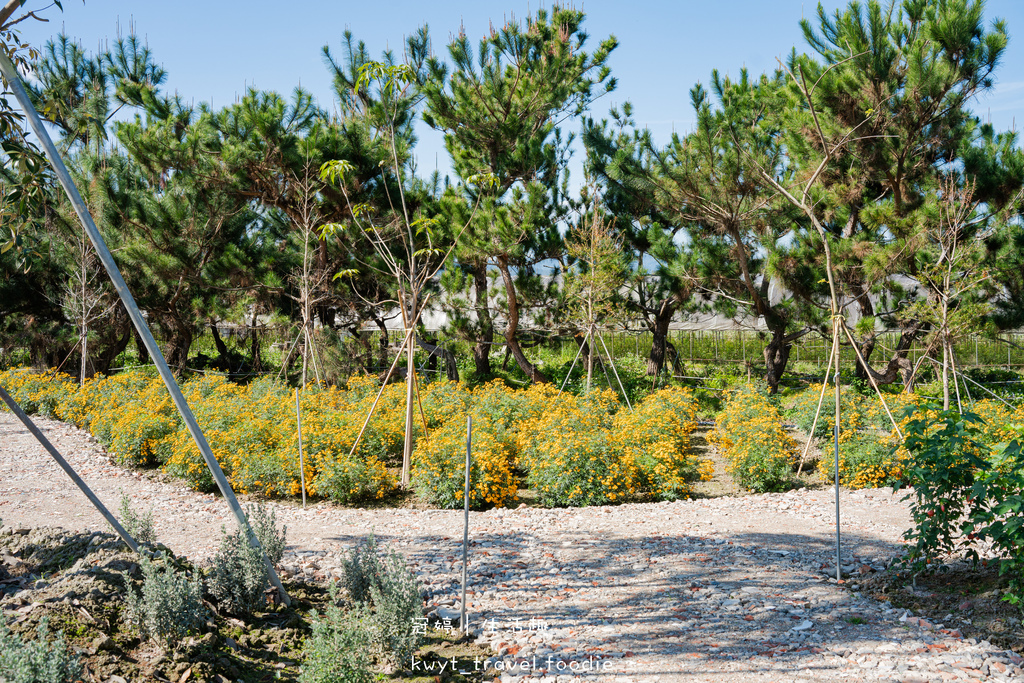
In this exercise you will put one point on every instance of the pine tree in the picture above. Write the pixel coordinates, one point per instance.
(499, 112)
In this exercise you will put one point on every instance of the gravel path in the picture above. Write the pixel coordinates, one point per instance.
(726, 589)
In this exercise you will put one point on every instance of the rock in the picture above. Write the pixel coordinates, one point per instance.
(803, 626)
(103, 642)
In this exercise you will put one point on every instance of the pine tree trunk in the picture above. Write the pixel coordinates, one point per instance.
(659, 339)
(482, 349)
(141, 348)
(255, 350)
(385, 340)
(776, 357)
(866, 347)
(222, 348)
(104, 356)
(512, 326)
(177, 349)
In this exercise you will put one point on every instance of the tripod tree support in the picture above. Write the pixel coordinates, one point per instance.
(55, 454)
(61, 171)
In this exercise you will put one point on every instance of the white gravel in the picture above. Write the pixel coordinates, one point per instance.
(727, 589)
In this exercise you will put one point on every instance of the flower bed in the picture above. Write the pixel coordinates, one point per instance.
(573, 450)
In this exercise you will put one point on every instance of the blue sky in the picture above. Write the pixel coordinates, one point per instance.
(213, 50)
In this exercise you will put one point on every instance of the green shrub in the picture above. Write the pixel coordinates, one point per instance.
(360, 568)
(964, 493)
(39, 661)
(339, 649)
(169, 605)
(397, 603)
(139, 526)
(239, 577)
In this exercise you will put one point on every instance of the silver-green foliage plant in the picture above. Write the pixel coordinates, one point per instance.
(139, 526)
(391, 592)
(239, 578)
(360, 569)
(339, 647)
(263, 521)
(169, 605)
(39, 661)
(396, 605)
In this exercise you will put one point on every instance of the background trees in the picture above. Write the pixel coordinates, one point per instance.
(218, 214)
(499, 113)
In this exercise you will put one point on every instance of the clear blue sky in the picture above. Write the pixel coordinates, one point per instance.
(213, 50)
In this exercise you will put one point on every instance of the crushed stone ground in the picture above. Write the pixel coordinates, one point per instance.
(725, 589)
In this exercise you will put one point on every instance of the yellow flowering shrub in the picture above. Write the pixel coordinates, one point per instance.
(656, 437)
(439, 467)
(138, 439)
(36, 392)
(1002, 423)
(572, 456)
(867, 457)
(749, 432)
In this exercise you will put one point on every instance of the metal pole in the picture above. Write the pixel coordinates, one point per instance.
(839, 555)
(27, 421)
(302, 466)
(465, 526)
(14, 82)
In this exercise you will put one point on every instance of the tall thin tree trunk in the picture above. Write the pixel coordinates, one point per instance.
(410, 398)
(945, 375)
(85, 320)
(590, 357)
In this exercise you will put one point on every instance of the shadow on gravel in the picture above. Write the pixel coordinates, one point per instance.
(694, 599)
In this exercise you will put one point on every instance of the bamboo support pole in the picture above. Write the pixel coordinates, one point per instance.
(369, 414)
(874, 384)
(573, 365)
(616, 373)
(817, 412)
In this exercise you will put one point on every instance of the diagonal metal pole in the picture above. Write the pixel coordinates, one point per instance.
(27, 421)
(61, 171)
